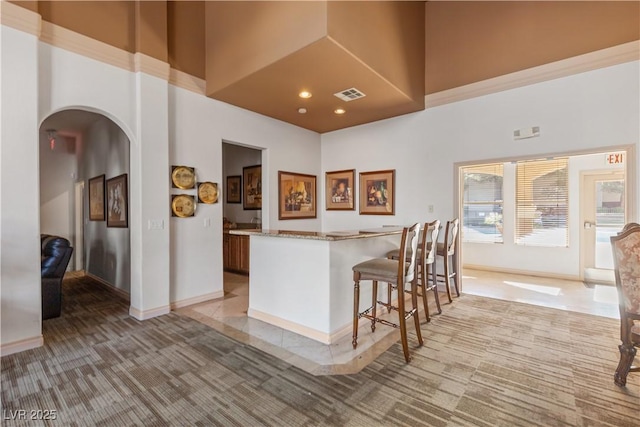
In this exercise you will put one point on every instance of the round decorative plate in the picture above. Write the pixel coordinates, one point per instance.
(183, 206)
(183, 177)
(208, 192)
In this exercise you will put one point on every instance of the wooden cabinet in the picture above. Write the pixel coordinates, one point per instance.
(235, 253)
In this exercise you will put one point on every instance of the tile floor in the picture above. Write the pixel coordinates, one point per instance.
(601, 300)
(229, 316)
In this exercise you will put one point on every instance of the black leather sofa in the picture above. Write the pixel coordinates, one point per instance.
(55, 257)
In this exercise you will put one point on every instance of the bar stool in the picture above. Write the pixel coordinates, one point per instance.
(397, 274)
(448, 252)
(426, 267)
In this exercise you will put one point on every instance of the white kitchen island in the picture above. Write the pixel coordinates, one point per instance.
(302, 281)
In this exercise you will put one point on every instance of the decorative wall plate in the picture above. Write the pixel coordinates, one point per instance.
(183, 206)
(183, 177)
(207, 192)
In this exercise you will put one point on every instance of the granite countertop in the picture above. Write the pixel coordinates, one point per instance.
(315, 235)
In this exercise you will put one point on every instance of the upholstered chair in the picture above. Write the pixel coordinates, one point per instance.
(626, 257)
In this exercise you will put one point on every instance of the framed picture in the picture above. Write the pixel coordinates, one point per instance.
(208, 192)
(339, 187)
(252, 181)
(234, 189)
(118, 202)
(96, 198)
(377, 192)
(296, 196)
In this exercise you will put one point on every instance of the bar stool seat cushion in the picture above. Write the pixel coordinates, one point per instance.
(381, 269)
(440, 250)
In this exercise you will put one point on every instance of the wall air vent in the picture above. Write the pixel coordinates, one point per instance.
(349, 94)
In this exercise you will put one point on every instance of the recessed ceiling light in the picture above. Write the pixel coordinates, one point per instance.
(305, 94)
(339, 111)
(302, 110)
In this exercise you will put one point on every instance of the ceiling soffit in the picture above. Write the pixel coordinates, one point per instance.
(260, 55)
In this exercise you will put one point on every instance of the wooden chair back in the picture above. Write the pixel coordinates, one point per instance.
(408, 251)
(429, 243)
(450, 236)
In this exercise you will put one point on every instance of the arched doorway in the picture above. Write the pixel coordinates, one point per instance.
(79, 149)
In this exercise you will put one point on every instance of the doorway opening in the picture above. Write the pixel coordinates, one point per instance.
(76, 148)
(242, 209)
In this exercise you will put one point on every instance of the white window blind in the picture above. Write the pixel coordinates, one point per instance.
(482, 203)
(542, 203)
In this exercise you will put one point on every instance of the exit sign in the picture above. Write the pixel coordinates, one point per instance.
(614, 158)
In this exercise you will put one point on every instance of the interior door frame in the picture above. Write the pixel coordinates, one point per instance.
(79, 226)
(587, 243)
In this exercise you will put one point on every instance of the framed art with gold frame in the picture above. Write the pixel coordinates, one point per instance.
(252, 183)
(183, 177)
(96, 198)
(234, 189)
(207, 192)
(118, 202)
(377, 192)
(339, 190)
(296, 196)
(183, 205)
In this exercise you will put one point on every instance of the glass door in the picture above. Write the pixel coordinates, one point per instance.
(604, 215)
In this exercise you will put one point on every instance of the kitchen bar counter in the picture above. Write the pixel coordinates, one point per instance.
(315, 235)
(303, 281)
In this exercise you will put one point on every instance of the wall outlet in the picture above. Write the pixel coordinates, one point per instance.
(207, 222)
(430, 208)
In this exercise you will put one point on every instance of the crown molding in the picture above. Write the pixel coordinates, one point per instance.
(20, 18)
(615, 55)
(187, 81)
(146, 64)
(30, 22)
(63, 38)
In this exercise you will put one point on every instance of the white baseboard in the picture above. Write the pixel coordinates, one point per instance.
(296, 328)
(148, 314)
(124, 294)
(342, 332)
(196, 300)
(521, 272)
(22, 345)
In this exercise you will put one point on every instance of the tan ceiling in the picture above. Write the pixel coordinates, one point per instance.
(462, 42)
(470, 41)
(326, 68)
(260, 55)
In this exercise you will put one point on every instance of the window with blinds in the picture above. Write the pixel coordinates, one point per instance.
(542, 203)
(482, 203)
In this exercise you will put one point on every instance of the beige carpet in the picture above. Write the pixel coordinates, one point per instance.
(485, 362)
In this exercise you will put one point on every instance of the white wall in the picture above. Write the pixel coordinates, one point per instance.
(197, 128)
(234, 158)
(20, 227)
(166, 125)
(586, 111)
(107, 250)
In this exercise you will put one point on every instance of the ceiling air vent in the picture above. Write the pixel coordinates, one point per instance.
(350, 94)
